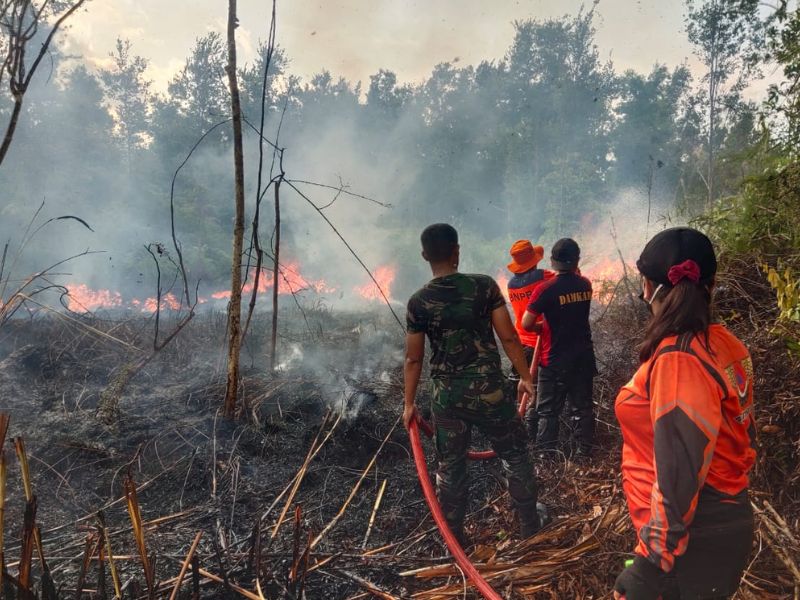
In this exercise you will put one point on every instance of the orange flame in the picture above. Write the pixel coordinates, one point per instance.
(290, 281)
(605, 275)
(385, 276)
(82, 298)
(502, 281)
(168, 301)
(606, 270)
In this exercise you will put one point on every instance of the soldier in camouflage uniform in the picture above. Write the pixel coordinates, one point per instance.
(460, 314)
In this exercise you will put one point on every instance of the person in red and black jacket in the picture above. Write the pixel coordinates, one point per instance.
(525, 258)
(559, 311)
(688, 433)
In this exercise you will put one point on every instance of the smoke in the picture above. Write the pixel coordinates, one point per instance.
(352, 375)
(440, 151)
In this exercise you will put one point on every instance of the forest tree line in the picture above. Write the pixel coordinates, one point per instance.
(544, 139)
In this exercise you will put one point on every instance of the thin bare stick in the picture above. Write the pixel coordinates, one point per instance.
(299, 478)
(185, 565)
(367, 585)
(103, 530)
(341, 189)
(350, 248)
(301, 472)
(90, 548)
(355, 489)
(374, 512)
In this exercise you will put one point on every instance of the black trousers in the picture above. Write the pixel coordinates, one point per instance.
(720, 543)
(528, 352)
(571, 384)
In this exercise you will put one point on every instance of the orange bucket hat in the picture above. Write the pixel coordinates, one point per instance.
(525, 256)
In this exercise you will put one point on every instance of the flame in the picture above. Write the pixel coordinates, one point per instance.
(385, 276)
(502, 281)
(168, 301)
(605, 277)
(290, 281)
(606, 270)
(81, 298)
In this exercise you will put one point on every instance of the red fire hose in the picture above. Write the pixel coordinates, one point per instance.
(430, 497)
(523, 405)
(429, 492)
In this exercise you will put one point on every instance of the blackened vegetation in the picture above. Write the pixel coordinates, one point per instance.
(261, 489)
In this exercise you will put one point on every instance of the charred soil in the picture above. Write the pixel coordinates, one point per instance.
(287, 490)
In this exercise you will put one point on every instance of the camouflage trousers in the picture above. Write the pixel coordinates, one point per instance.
(458, 405)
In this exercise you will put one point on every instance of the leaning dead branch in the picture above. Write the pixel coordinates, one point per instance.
(378, 499)
(21, 24)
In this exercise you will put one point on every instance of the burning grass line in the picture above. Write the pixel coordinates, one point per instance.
(80, 323)
(355, 489)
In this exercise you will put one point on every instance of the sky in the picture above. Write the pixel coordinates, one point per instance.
(355, 38)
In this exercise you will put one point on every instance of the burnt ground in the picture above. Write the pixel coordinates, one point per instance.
(340, 384)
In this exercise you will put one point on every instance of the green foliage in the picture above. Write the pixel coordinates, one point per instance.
(534, 145)
(764, 218)
(784, 97)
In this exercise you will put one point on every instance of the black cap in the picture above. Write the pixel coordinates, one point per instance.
(565, 254)
(672, 247)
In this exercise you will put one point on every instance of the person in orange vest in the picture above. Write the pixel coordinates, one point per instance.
(688, 433)
(525, 258)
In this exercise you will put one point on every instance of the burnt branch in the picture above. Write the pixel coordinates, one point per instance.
(350, 249)
(19, 25)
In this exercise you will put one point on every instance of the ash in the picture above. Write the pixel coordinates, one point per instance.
(288, 489)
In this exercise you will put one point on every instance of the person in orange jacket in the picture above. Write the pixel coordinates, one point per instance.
(525, 258)
(688, 433)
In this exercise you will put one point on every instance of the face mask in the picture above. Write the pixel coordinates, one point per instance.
(649, 301)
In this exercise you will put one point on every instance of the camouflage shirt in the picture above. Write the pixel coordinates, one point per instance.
(455, 311)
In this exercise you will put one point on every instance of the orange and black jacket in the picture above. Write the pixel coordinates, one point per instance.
(520, 290)
(688, 439)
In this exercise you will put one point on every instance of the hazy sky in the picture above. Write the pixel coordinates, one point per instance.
(355, 38)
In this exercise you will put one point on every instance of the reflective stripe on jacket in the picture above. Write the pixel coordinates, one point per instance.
(687, 426)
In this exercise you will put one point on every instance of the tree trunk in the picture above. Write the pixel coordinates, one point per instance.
(235, 304)
(713, 87)
(275, 277)
(12, 127)
(712, 115)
